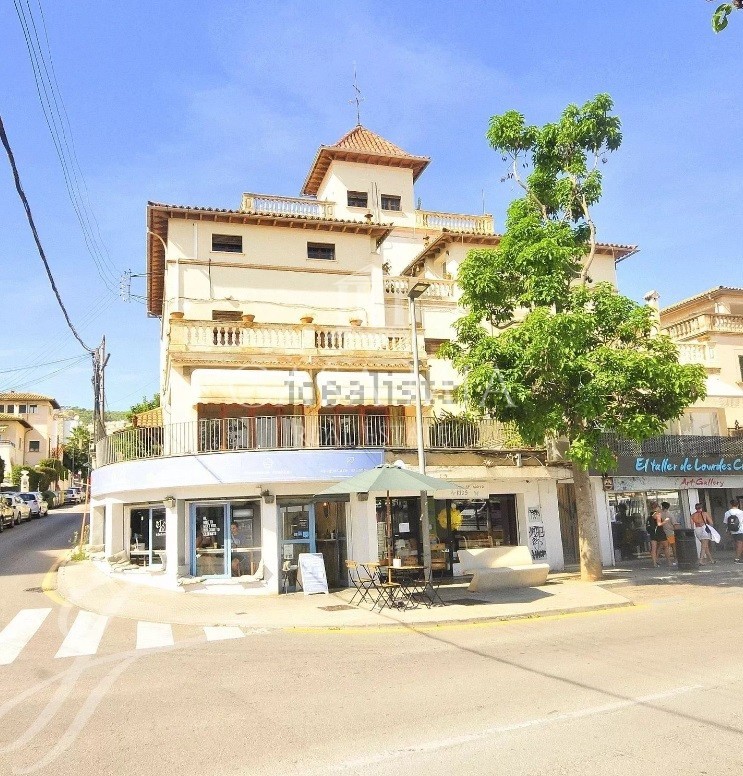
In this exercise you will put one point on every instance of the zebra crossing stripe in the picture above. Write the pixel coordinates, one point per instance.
(18, 632)
(151, 635)
(221, 632)
(84, 636)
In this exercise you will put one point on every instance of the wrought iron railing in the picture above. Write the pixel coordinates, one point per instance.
(300, 432)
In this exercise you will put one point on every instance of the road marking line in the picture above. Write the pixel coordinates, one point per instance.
(151, 635)
(18, 632)
(84, 636)
(495, 730)
(221, 632)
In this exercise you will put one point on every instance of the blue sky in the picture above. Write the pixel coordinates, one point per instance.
(194, 103)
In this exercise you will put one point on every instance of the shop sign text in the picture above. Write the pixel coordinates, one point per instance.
(689, 464)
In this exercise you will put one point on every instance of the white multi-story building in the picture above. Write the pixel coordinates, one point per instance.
(286, 365)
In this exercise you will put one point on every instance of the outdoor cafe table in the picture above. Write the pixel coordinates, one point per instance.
(412, 581)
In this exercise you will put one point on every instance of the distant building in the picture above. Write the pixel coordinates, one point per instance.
(29, 430)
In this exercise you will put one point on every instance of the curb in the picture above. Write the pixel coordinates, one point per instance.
(388, 625)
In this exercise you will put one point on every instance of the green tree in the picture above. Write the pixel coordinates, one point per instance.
(76, 456)
(722, 12)
(543, 347)
(52, 469)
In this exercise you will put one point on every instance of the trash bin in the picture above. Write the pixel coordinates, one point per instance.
(686, 549)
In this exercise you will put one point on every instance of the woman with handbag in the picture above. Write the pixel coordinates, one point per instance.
(658, 538)
(703, 526)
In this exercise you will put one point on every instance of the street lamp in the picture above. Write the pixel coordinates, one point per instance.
(415, 292)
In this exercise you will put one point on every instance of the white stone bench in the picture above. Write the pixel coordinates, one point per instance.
(494, 568)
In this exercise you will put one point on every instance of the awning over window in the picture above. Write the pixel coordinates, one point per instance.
(251, 386)
(718, 387)
(369, 389)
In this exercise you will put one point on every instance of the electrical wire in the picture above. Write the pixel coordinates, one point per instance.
(60, 129)
(29, 216)
(39, 366)
(15, 386)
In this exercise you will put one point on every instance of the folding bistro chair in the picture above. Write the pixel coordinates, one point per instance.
(389, 592)
(365, 586)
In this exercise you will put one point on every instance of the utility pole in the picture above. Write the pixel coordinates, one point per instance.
(100, 360)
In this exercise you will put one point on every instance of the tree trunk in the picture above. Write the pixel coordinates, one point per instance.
(588, 529)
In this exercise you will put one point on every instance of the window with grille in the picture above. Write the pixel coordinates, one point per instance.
(227, 243)
(357, 199)
(390, 202)
(325, 251)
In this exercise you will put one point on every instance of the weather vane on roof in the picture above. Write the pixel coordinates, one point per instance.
(358, 99)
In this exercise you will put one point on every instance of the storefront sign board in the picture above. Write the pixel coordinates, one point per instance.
(680, 465)
(640, 484)
(312, 573)
(466, 491)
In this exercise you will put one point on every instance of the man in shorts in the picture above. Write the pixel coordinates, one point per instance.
(734, 521)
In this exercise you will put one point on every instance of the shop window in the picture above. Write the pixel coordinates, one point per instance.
(391, 202)
(404, 541)
(357, 199)
(227, 243)
(147, 535)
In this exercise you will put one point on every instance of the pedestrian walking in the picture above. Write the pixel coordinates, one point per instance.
(669, 527)
(658, 538)
(703, 525)
(734, 521)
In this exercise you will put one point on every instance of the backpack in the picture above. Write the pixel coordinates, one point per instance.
(733, 523)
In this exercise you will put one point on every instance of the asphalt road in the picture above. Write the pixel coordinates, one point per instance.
(651, 689)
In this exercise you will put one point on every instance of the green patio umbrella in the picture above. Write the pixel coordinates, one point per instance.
(385, 478)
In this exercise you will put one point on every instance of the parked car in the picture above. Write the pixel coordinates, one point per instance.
(21, 510)
(73, 496)
(43, 503)
(7, 512)
(33, 503)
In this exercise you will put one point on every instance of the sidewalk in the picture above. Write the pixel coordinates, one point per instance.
(87, 587)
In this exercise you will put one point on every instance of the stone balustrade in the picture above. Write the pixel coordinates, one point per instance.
(186, 335)
(286, 206)
(458, 222)
(438, 289)
(697, 353)
(717, 322)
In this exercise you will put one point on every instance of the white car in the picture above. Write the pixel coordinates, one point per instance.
(42, 502)
(21, 509)
(33, 503)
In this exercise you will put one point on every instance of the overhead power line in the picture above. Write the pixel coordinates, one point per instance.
(57, 121)
(29, 216)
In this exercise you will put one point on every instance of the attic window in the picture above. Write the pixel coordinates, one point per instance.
(390, 202)
(226, 315)
(227, 243)
(357, 199)
(324, 251)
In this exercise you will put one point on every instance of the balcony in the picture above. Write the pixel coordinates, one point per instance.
(675, 444)
(286, 206)
(398, 287)
(705, 324)
(457, 222)
(299, 432)
(298, 345)
(698, 353)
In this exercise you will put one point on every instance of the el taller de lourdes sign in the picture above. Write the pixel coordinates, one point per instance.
(636, 473)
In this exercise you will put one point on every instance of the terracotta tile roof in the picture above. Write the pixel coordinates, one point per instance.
(712, 293)
(449, 236)
(361, 145)
(149, 418)
(16, 396)
(5, 418)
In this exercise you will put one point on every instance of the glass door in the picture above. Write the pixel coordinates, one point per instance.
(208, 537)
(297, 521)
(147, 535)
(330, 536)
